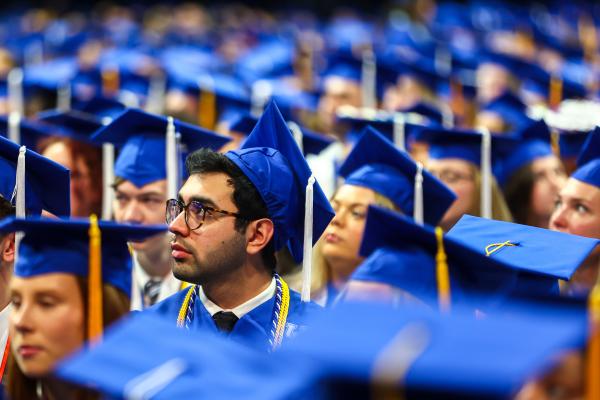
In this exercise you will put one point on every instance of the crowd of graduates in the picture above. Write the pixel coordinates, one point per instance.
(219, 201)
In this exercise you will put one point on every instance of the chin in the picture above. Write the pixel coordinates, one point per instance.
(34, 368)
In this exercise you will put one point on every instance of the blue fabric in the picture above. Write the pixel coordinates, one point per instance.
(375, 163)
(253, 329)
(39, 172)
(31, 131)
(73, 124)
(272, 161)
(53, 245)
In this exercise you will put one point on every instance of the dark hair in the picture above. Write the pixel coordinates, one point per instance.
(6, 208)
(518, 191)
(245, 196)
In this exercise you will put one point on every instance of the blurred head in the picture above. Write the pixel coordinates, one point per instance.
(338, 91)
(492, 81)
(85, 163)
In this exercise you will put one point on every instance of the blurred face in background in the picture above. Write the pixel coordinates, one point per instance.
(338, 92)
(549, 177)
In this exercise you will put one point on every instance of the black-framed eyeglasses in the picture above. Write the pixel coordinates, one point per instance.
(195, 212)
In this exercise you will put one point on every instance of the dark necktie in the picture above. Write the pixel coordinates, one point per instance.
(151, 291)
(225, 321)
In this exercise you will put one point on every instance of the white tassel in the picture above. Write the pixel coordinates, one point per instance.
(156, 94)
(399, 131)
(172, 160)
(486, 174)
(369, 83)
(63, 97)
(418, 196)
(108, 178)
(297, 133)
(14, 126)
(308, 239)
(15, 90)
(447, 116)
(19, 193)
(261, 94)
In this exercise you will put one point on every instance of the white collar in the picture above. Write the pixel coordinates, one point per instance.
(244, 308)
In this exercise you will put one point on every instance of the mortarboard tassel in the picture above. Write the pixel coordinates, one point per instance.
(17, 108)
(63, 97)
(14, 127)
(156, 94)
(399, 131)
(308, 240)
(108, 178)
(19, 194)
(447, 115)
(555, 142)
(207, 109)
(555, 92)
(369, 76)
(261, 93)
(95, 311)
(486, 174)
(593, 351)
(442, 273)
(110, 81)
(297, 134)
(418, 199)
(172, 160)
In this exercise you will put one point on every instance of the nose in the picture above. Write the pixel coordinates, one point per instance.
(20, 318)
(559, 220)
(339, 219)
(133, 213)
(178, 225)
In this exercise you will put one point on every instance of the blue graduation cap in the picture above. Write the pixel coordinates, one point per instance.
(377, 164)
(30, 131)
(510, 108)
(344, 66)
(39, 172)
(357, 348)
(73, 124)
(53, 245)
(141, 138)
(270, 156)
(101, 107)
(542, 251)
(423, 69)
(530, 143)
(50, 75)
(588, 163)
(312, 142)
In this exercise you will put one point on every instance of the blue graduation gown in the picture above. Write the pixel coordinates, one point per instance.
(253, 329)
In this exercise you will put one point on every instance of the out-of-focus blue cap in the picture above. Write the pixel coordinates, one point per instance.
(53, 245)
(73, 124)
(457, 143)
(546, 252)
(425, 355)
(375, 163)
(31, 131)
(538, 81)
(39, 172)
(511, 109)
(50, 75)
(530, 143)
(312, 142)
(270, 156)
(141, 137)
(588, 163)
(344, 66)
(102, 107)
(391, 241)
(422, 69)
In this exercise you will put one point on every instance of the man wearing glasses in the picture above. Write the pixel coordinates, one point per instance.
(233, 213)
(141, 191)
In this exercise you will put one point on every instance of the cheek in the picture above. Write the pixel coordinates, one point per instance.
(542, 198)
(355, 230)
(464, 195)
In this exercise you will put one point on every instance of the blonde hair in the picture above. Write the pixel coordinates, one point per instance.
(500, 210)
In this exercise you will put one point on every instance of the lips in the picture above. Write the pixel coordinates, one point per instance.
(27, 351)
(332, 238)
(178, 251)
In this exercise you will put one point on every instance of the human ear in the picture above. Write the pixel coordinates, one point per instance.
(258, 235)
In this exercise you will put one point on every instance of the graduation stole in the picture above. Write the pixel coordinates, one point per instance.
(279, 318)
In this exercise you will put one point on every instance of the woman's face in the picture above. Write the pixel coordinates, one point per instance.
(458, 175)
(549, 177)
(343, 235)
(577, 209)
(81, 182)
(46, 322)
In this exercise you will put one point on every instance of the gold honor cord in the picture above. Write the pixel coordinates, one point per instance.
(593, 350)
(394, 361)
(494, 247)
(555, 95)
(442, 272)
(184, 306)
(283, 313)
(95, 281)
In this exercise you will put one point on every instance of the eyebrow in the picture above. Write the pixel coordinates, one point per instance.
(204, 200)
(150, 193)
(350, 205)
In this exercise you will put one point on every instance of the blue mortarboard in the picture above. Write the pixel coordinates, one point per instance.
(53, 245)
(312, 142)
(425, 356)
(141, 138)
(50, 75)
(30, 131)
(511, 63)
(394, 244)
(348, 69)
(430, 112)
(377, 164)
(588, 162)
(73, 124)
(546, 252)
(538, 80)
(271, 159)
(101, 107)
(510, 108)
(530, 143)
(570, 143)
(39, 172)
(422, 69)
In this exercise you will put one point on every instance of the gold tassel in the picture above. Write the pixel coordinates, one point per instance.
(110, 81)
(593, 350)
(443, 275)
(207, 109)
(555, 96)
(95, 311)
(555, 142)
